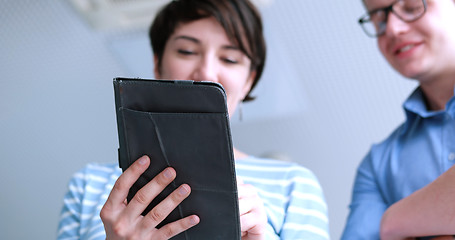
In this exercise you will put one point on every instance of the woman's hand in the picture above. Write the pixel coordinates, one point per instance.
(253, 218)
(124, 221)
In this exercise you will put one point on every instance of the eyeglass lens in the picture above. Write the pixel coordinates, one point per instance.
(374, 23)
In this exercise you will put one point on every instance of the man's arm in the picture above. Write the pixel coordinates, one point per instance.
(429, 211)
(367, 205)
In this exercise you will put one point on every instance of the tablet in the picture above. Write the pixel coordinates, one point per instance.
(185, 125)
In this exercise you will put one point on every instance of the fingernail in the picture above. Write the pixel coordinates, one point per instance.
(167, 173)
(183, 190)
(194, 220)
(142, 160)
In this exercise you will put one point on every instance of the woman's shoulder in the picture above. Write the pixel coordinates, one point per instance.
(100, 168)
(286, 169)
(100, 172)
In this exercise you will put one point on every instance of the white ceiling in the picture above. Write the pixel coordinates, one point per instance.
(124, 14)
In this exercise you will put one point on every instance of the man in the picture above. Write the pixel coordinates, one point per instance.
(417, 38)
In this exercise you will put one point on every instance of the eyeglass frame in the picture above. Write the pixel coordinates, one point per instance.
(387, 10)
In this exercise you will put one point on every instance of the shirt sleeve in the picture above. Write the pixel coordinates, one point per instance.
(70, 216)
(306, 214)
(367, 206)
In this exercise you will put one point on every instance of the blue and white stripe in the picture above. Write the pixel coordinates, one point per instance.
(292, 196)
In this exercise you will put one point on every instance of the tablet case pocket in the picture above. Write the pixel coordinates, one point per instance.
(180, 137)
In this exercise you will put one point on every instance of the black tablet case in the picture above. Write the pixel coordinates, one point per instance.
(185, 125)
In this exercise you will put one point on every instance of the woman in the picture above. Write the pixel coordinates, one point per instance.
(219, 41)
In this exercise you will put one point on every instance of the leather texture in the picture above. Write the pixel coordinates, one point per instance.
(185, 125)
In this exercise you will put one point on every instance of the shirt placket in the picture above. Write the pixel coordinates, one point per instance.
(448, 142)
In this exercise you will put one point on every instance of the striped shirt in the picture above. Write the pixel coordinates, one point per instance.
(292, 197)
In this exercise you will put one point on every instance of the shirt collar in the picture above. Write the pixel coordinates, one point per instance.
(415, 107)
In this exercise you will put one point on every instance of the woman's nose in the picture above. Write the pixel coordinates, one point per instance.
(206, 70)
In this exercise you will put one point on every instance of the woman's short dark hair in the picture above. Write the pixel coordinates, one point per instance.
(239, 18)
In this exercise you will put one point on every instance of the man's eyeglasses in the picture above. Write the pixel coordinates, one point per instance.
(374, 22)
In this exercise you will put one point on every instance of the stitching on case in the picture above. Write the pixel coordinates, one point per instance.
(160, 141)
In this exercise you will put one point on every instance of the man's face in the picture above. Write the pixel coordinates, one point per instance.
(422, 49)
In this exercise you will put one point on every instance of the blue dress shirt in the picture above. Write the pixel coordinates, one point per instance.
(415, 154)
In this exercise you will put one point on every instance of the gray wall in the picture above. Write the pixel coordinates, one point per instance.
(326, 96)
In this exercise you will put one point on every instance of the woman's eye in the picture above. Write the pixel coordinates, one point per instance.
(230, 60)
(185, 52)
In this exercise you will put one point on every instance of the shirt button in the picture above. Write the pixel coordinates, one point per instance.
(451, 156)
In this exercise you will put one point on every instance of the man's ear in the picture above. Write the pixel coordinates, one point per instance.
(249, 82)
(156, 68)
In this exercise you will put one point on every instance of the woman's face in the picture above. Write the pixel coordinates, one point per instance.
(201, 51)
(423, 49)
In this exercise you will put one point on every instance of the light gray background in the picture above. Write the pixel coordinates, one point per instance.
(325, 97)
